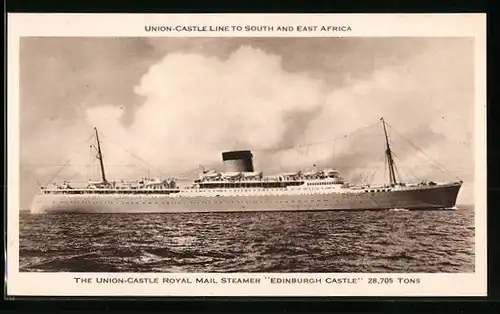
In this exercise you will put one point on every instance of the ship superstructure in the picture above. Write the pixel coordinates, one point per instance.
(240, 188)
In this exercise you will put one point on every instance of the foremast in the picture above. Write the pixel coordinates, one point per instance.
(390, 159)
(99, 156)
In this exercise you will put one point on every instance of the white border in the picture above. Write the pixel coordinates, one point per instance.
(362, 25)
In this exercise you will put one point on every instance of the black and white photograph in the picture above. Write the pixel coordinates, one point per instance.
(247, 154)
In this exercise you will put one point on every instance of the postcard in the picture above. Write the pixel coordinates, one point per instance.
(246, 155)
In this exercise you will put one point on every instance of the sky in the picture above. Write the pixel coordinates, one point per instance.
(163, 106)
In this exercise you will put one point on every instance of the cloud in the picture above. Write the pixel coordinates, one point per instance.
(196, 107)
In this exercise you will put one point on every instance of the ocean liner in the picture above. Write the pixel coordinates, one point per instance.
(240, 188)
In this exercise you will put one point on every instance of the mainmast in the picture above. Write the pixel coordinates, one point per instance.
(99, 156)
(390, 160)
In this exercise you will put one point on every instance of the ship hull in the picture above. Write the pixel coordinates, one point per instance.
(427, 197)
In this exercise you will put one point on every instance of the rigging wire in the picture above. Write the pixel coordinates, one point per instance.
(133, 155)
(306, 151)
(68, 161)
(436, 165)
(377, 169)
(307, 146)
(316, 143)
(406, 170)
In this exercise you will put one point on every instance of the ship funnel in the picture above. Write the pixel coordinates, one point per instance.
(238, 161)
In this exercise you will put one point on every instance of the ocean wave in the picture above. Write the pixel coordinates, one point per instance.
(437, 241)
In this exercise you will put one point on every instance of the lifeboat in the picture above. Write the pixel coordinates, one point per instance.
(291, 174)
(211, 175)
(311, 173)
(254, 174)
(330, 173)
(231, 175)
(153, 182)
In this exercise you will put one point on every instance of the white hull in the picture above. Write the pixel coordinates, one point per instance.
(295, 199)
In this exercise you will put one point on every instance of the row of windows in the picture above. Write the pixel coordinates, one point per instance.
(167, 192)
(249, 185)
(254, 190)
(174, 203)
(210, 199)
(236, 202)
(379, 190)
(241, 185)
(164, 192)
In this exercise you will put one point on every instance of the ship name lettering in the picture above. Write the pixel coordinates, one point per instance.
(241, 280)
(341, 280)
(295, 280)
